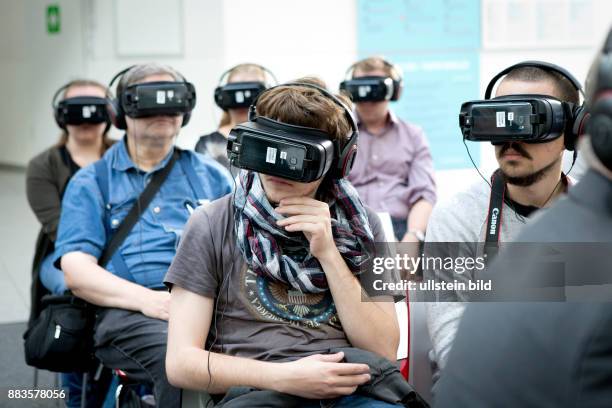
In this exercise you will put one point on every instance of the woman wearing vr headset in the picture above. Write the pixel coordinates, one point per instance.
(83, 117)
(243, 83)
(275, 266)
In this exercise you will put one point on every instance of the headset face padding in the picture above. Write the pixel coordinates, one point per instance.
(575, 114)
(343, 158)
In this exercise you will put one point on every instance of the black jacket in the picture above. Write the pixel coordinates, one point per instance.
(547, 354)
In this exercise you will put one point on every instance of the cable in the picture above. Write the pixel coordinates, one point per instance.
(216, 308)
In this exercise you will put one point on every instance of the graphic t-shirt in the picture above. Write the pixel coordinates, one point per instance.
(254, 317)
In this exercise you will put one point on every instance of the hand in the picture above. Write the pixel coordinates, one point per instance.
(156, 304)
(322, 376)
(313, 219)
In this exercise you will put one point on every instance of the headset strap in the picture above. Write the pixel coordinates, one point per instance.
(494, 215)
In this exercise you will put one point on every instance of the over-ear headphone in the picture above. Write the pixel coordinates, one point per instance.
(396, 77)
(344, 157)
(117, 109)
(59, 110)
(226, 74)
(575, 113)
(599, 101)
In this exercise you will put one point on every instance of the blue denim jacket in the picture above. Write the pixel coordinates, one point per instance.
(150, 247)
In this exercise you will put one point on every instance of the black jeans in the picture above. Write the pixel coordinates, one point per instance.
(136, 344)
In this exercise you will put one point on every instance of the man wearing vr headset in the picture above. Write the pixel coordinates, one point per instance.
(393, 170)
(153, 102)
(531, 122)
(274, 265)
(550, 354)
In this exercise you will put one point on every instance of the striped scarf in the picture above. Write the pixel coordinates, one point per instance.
(283, 256)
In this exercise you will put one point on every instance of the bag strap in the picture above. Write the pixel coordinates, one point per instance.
(494, 217)
(137, 209)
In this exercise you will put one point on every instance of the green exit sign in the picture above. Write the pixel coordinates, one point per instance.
(53, 19)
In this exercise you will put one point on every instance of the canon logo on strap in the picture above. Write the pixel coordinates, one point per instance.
(494, 214)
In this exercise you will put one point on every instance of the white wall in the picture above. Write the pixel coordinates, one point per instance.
(316, 37)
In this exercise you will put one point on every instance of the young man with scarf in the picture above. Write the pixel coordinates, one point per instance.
(265, 305)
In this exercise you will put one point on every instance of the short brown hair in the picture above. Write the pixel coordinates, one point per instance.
(375, 63)
(305, 106)
(565, 89)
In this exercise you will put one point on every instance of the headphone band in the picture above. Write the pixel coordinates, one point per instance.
(394, 69)
(546, 66)
(123, 71)
(227, 72)
(55, 102)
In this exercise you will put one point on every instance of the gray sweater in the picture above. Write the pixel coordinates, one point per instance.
(462, 218)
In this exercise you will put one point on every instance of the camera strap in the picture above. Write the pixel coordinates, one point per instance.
(494, 216)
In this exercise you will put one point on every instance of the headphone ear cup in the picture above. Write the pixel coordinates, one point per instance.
(186, 118)
(573, 132)
(58, 113)
(349, 161)
(218, 97)
(599, 128)
(346, 159)
(398, 86)
(117, 115)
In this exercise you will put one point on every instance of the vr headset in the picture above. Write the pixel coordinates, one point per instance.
(158, 98)
(523, 118)
(368, 88)
(235, 95)
(238, 94)
(289, 151)
(152, 99)
(81, 110)
(373, 88)
(529, 118)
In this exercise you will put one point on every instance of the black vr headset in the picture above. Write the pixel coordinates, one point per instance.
(524, 118)
(239, 94)
(292, 152)
(153, 99)
(373, 88)
(80, 110)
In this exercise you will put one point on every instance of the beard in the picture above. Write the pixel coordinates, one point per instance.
(529, 179)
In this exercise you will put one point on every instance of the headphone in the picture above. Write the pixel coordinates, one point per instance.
(59, 111)
(118, 112)
(599, 86)
(344, 158)
(225, 76)
(576, 114)
(396, 76)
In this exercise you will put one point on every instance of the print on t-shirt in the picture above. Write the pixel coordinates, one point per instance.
(275, 301)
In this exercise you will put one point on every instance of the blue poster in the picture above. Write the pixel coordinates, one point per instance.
(435, 86)
(437, 45)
